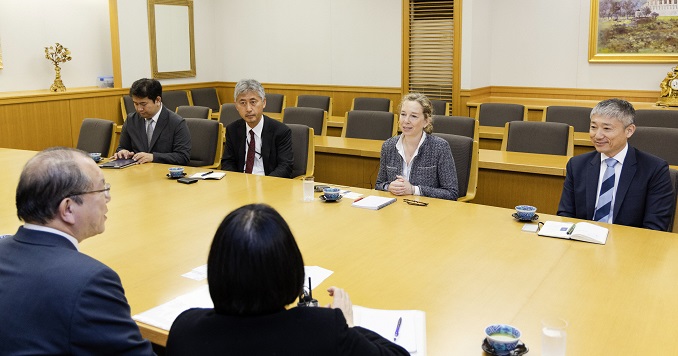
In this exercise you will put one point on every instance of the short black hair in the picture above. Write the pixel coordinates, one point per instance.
(254, 265)
(48, 178)
(146, 88)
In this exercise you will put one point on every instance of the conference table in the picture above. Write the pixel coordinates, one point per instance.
(465, 265)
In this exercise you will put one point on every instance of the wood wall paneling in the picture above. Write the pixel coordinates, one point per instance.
(35, 125)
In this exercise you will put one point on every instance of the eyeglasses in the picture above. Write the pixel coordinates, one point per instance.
(415, 202)
(106, 191)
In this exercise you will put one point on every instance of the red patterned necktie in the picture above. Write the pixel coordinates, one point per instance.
(250, 154)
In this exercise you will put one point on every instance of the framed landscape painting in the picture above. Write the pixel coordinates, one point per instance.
(641, 31)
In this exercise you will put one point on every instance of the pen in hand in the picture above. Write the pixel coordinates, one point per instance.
(400, 320)
(206, 174)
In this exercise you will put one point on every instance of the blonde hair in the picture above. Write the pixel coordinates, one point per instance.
(426, 106)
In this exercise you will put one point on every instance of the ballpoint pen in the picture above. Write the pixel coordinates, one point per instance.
(206, 174)
(569, 231)
(400, 320)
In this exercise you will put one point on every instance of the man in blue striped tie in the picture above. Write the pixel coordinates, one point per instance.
(617, 183)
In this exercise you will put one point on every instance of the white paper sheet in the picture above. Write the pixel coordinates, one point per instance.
(412, 334)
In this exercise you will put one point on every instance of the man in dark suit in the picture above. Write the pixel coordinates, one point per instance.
(617, 183)
(256, 144)
(153, 133)
(55, 300)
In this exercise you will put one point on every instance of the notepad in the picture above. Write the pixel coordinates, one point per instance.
(412, 331)
(373, 202)
(581, 231)
(208, 175)
(118, 163)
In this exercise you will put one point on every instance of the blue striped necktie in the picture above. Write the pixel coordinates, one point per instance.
(606, 189)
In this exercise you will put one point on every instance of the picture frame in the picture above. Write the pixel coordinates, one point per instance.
(629, 31)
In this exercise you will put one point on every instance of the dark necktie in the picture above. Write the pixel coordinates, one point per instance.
(250, 154)
(604, 207)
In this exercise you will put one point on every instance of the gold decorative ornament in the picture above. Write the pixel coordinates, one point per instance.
(669, 89)
(57, 55)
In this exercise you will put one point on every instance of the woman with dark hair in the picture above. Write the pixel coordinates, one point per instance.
(255, 270)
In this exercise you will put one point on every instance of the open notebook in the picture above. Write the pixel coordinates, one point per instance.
(581, 231)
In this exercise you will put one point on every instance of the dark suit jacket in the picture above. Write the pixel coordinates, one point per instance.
(171, 142)
(644, 195)
(55, 300)
(276, 148)
(298, 331)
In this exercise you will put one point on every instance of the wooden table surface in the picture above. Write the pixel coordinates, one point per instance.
(465, 265)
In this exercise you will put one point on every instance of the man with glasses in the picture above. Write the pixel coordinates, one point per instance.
(153, 133)
(256, 144)
(55, 300)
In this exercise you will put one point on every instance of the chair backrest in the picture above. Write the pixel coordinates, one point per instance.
(659, 141)
(275, 103)
(553, 138)
(657, 118)
(465, 153)
(195, 112)
(127, 106)
(372, 104)
(312, 117)
(440, 107)
(315, 101)
(578, 117)
(206, 97)
(97, 135)
(206, 142)
(456, 125)
(674, 181)
(172, 99)
(304, 150)
(498, 114)
(373, 125)
(228, 114)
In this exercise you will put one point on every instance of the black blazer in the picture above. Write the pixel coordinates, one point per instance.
(644, 195)
(276, 148)
(171, 142)
(298, 331)
(58, 301)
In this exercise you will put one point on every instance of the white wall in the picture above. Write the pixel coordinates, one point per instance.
(334, 42)
(28, 26)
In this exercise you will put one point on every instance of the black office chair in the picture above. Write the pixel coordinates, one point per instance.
(578, 117)
(498, 114)
(659, 141)
(456, 125)
(372, 125)
(312, 117)
(553, 138)
(196, 112)
(97, 135)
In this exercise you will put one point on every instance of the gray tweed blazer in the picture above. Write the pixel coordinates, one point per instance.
(432, 169)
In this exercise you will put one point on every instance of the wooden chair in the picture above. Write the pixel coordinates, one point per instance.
(275, 103)
(172, 99)
(228, 114)
(196, 112)
(657, 118)
(554, 138)
(372, 125)
(456, 125)
(465, 153)
(578, 117)
(207, 142)
(97, 135)
(127, 106)
(312, 117)
(372, 104)
(315, 101)
(303, 147)
(659, 141)
(441, 107)
(498, 114)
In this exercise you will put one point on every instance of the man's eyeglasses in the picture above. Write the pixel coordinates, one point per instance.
(106, 191)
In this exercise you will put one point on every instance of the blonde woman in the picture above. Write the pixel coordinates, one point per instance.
(416, 162)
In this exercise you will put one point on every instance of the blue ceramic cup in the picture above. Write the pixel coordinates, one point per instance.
(331, 193)
(176, 172)
(96, 156)
(525, 212)
(503, 338)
